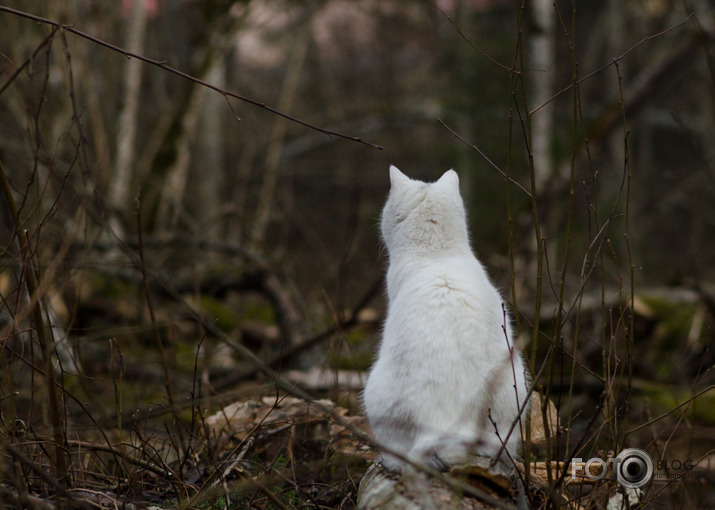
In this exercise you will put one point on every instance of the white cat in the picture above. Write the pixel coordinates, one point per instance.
(446, 375)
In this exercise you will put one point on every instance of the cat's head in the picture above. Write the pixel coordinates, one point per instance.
(424, 218)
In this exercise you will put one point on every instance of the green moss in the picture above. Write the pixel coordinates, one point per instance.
(356, 361)
(339, 465)
(665, 398)
(674, 318)
(356, 336)
(224, 316)
(703, 408)
(110, 287)
(260, 311)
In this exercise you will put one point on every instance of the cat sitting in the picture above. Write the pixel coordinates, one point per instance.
(447, 382)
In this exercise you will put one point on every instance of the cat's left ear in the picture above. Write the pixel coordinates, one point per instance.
(449, 179)
(398, 180)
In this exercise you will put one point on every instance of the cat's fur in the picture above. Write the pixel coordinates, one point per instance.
(445, 376)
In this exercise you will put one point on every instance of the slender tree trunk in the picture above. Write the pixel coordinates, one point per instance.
(202, 113)
(543, 63)
(211, 150)
(171, 202)
(275, 146)
(127, 126)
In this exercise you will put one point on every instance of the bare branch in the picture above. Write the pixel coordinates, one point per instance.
(162, 64)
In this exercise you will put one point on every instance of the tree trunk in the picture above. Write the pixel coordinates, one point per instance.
(275, 145)
(211, 150)
(127, 125)
(544, 65)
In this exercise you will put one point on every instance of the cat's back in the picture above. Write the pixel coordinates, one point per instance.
(453, 280)
(444, 302)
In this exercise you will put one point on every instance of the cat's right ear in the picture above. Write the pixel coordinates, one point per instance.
(398, 180)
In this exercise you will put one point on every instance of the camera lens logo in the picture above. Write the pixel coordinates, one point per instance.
(634, 468)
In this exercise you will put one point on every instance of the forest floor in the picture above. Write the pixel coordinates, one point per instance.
(162, 409)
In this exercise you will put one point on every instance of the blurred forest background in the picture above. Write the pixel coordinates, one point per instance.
(165, 217)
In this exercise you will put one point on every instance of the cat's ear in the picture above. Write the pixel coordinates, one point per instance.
(449, 179)
(398, 180)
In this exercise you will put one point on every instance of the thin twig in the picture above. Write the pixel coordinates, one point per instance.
(47, 40)
(35, 468)
(670, 411)
(152, 466)
(150, 306)
(616, 59)
(494, 165)
(468, 40)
